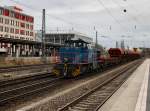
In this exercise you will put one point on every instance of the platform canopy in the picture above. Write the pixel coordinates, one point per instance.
(18, 41)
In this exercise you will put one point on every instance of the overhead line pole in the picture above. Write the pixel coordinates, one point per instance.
(43, 34)
(96, 40)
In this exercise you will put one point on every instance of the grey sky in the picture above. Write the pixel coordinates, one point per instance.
(83, 15)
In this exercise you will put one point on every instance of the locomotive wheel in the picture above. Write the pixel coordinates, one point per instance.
(76, 71)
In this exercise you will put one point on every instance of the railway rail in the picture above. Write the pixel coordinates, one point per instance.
(21, 68)
(30, 88)
(96, 97)
(7, 96)
(24, 80)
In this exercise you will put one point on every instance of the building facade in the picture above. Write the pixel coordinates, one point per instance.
(59, 38)
(14, 24)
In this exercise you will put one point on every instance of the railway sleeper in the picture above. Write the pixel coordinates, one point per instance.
(76, 108)
(102, 95)
(87, 102)
(99, 97)
(91, 106)
(87, 108)
(91, 99)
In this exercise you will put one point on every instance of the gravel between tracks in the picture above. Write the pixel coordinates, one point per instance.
(67, 93)
(26, 72)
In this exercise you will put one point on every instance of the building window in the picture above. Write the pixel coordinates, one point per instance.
(29, 19)
(6, 29)
(1, 20)
(17, 23)
(6, 12)
(17, 15)
(22, 25)
(1, 11)
(1, 28)
(23, 17)
(22, 32)
(31, 33)
(27, 26)
(27, 33)
(11, 30)
(31, 27)
(12, 22)
(6, 21)
(16, 31)
(12, 14)
(22, 38)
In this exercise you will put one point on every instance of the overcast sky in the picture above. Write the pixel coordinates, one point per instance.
(108, 17)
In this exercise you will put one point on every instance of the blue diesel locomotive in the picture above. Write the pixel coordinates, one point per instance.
(76, 58)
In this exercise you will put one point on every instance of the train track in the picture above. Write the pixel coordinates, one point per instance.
(8, 95)
(24, 79)
(21, 68)
(96, 97)
(29, 89)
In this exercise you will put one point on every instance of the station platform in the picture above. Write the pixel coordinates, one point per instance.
(134, 94)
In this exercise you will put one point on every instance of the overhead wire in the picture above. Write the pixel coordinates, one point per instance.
(55, 17)
(109, 12)
(60, 19)
(137, 21)
(139, 14)
(131, 16)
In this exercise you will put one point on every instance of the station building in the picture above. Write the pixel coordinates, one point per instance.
(14, 24)
(56, 39)
(61, 37)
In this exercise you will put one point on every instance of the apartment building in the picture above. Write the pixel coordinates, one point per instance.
(15, 24)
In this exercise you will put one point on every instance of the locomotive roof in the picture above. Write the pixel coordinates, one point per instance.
(76, 41)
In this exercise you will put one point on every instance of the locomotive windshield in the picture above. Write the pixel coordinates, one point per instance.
(76, 43)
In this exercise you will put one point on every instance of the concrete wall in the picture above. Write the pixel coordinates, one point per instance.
(10, 61)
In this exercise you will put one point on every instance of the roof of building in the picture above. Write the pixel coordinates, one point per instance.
(14, 9)
(69, 32)
(19, 41)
